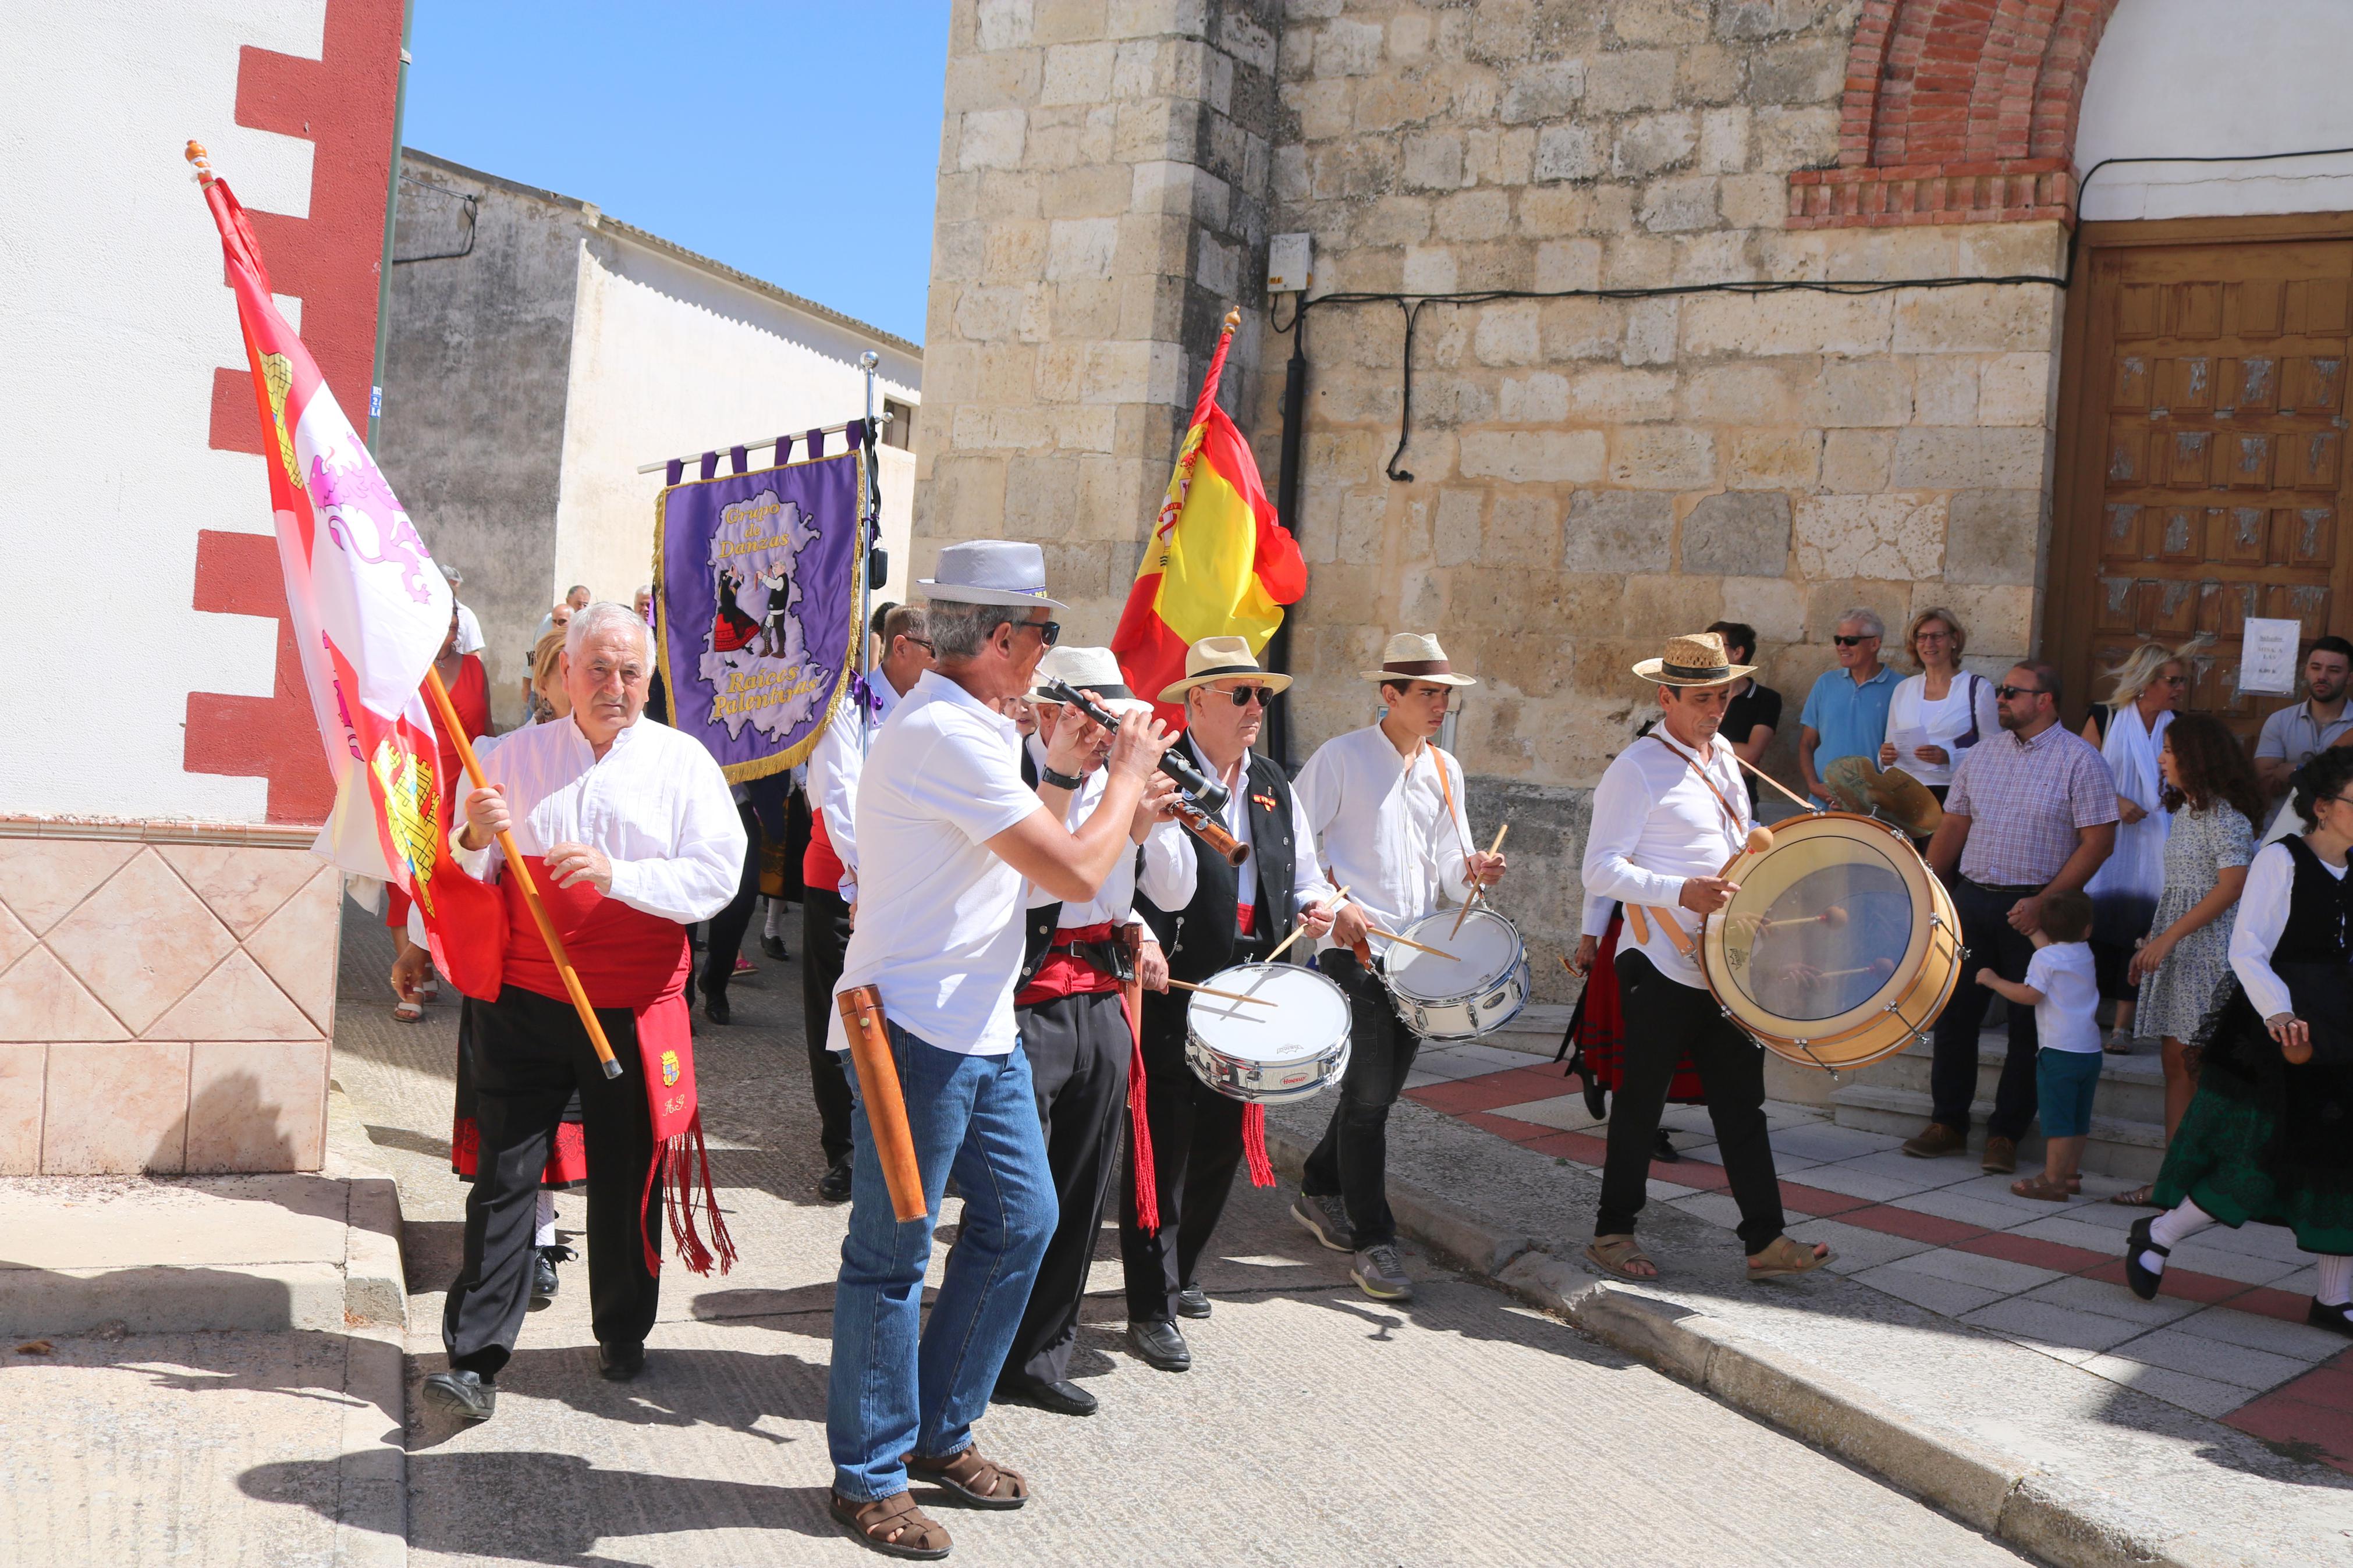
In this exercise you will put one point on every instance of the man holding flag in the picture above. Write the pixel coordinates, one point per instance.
(630, 824)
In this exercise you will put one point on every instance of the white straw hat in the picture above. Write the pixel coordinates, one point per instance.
(1699, 658)
(991, 571)
(1415, 656)
(1215, 659)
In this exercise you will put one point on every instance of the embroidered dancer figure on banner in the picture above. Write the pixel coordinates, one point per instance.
(730, 629)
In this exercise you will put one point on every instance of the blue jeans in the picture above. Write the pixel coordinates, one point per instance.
(892, 1391)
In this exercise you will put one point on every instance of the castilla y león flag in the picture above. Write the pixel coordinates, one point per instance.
(1219, 563)
(369, 610)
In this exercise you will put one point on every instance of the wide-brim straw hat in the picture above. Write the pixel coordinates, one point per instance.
(1086, 670)
(1222, 659)
(1697, 659)
(1895, 795)
(990, 572)
(1415, 656)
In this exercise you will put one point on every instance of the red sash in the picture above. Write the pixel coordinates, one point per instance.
(624, 958)
(821, 867)
(1068, 974)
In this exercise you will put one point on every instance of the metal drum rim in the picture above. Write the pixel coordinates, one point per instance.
(1519, 961)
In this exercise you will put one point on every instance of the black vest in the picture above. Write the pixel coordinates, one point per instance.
(1199, 938)
(2319, 911)
(1039, 924)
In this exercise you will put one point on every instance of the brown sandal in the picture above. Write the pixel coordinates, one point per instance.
(979, 1481)
(1781, 1256)
(893, 1525)
(2043, 1188)
(1615, 1254)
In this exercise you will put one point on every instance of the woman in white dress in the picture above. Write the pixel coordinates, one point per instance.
(1942, 711)
(2150, 685)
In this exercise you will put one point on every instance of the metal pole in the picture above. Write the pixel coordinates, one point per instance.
(866, 526)
(1286, 503)
(391, 211)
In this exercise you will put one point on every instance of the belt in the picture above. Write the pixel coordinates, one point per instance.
(1111, 957)
(2021, 888)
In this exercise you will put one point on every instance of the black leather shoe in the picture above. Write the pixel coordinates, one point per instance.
(1662, 1150)
(2336, 1319)
(462, 1393)
(621, 1364)
(544, 1281)
(715, 1008)
(1192, 1302)
(834, 1186)
(1061, 1397)
(774, 946)
(1158, 1342)
(2143, 1280)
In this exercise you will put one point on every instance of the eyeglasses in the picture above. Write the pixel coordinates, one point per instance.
(1048, 632)
(919, 642)
(2006, 692)
(1850, 642)
(1243, 694)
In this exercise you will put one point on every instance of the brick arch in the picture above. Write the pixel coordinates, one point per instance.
(1957, 112)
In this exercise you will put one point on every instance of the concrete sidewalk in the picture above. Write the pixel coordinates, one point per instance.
(2006, 1417)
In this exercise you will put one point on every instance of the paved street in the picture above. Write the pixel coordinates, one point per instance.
(1317, 1427)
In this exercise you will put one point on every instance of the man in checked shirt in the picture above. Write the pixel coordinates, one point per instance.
(2032, 813)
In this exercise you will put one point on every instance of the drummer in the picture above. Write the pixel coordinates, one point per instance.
(1211, 916)
(1387, 806)
(1670, 814)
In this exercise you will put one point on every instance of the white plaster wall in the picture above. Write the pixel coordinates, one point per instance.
(115, 316)
(2214, 77)
(669, 359)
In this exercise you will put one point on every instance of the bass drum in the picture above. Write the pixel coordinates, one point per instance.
(1841, 946)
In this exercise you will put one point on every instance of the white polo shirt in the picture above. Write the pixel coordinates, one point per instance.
(939, 915)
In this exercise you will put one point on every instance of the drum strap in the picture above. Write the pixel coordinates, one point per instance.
(1731, 818)
(1445, 794)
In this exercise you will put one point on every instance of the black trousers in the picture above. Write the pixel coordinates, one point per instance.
(1353, 1159)
(1953, 1073)
(1079, 1049)
(825, 933)
(1663, 1019)
(528, 1056)
(724, 936)
(1197, 1145)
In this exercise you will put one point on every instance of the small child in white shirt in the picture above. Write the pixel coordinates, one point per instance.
(2061, 988)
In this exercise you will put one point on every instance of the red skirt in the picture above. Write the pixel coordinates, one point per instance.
(1598, 1035)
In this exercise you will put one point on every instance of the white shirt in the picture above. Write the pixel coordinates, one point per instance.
(1383, 823)
(2262, 917)
(2064, 1019)
(1308, 883)
(1655, 825)
(939, 916)
(834, 767)
(1164, 853)
(1970, 700)
(655, 804)
(469, 631)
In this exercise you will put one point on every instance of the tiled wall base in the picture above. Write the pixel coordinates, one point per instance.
(164, 1005)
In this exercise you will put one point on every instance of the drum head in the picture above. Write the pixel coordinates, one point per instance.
(1484, 949)
(1308, 1016)
(1830, 925)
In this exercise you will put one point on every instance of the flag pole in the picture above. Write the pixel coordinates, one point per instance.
(446, 713)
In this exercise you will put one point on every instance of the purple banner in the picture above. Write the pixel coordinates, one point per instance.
(755, 586)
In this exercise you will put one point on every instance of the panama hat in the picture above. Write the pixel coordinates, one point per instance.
(1415, 656)
(1086, 670)
(1698, 658)
(1217, 659)
(990, 572)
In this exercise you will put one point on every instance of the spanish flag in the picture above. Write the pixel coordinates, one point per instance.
(1218, 564)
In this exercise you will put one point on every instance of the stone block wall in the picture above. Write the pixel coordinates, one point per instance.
(166, 999)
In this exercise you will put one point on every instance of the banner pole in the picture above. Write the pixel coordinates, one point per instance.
(447, 714)
(868, 525)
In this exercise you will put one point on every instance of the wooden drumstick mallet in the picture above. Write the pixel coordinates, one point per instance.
(1226, 995)
(1478, 891)
(1301, 929)
(1799, 801)
(1408, 942)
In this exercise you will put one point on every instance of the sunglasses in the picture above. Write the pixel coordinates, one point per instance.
(2006, 692)
(1243, 694)
(1048, 632)
(1850, 642)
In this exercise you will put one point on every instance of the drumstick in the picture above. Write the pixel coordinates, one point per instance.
(1803, 805)
(1226, 995)
(1882, 966)
(1760, 839)
(1834, 916)
(1479, 889)
(1299, 930)
(1408, 942)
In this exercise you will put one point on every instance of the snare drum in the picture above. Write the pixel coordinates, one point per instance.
(1268, 1054)
(1477, 991)
(1839, 947)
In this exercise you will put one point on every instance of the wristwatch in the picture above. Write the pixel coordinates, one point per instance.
(1059, 781)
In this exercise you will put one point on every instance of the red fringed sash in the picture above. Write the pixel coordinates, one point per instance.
(624, 958)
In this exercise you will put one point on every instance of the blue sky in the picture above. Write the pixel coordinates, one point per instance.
(797, 142)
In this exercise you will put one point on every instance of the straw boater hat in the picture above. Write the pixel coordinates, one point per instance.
(1698, 658)
(1415, 656)
(991, 571)
(1087, 670)
(1215, 659)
